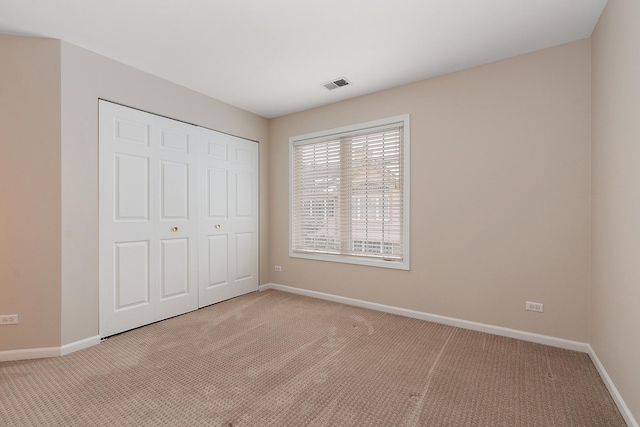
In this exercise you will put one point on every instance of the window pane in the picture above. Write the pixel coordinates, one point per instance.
(348, 194)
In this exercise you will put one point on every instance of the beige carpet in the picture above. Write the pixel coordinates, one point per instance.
(277, 359)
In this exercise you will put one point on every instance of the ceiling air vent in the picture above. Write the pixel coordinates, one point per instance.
(335, 84)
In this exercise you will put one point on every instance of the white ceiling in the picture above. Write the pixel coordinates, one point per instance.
(271, 56)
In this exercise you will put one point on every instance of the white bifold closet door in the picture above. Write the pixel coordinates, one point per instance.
(228, 217)
(162, 206)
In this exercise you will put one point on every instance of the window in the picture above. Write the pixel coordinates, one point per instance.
(349, 194)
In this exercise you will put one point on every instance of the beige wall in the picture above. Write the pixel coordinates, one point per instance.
(615, 272)
(30, 191)
(500, 164)
(86, 77)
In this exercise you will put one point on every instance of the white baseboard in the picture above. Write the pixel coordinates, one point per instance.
(29, 353)
(451, 321)
(39, 353)
(79, 345)
(615, 394)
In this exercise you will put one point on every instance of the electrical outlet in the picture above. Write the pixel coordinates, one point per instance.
(534, 306)
(8, 319)
(278, 268)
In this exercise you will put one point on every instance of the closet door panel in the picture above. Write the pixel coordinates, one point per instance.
(216, 195)
(176, 226)
(174, 190)
(126, 208)
(218, 259)
(174, 264)
(148, 232)
(131, 279)
(229, 220)
(131, 198)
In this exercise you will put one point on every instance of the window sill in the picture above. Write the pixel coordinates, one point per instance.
(346, 259)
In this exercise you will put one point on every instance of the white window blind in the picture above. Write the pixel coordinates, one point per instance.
(348, 194)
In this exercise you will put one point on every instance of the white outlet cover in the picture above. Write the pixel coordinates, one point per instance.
(534, 306)
(9, 319)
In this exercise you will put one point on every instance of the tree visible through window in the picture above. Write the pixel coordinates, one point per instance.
(349, 194)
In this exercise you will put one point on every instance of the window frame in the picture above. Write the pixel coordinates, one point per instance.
(345, 131)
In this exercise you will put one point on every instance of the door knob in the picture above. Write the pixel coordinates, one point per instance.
(174, 229)
(218, 225)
